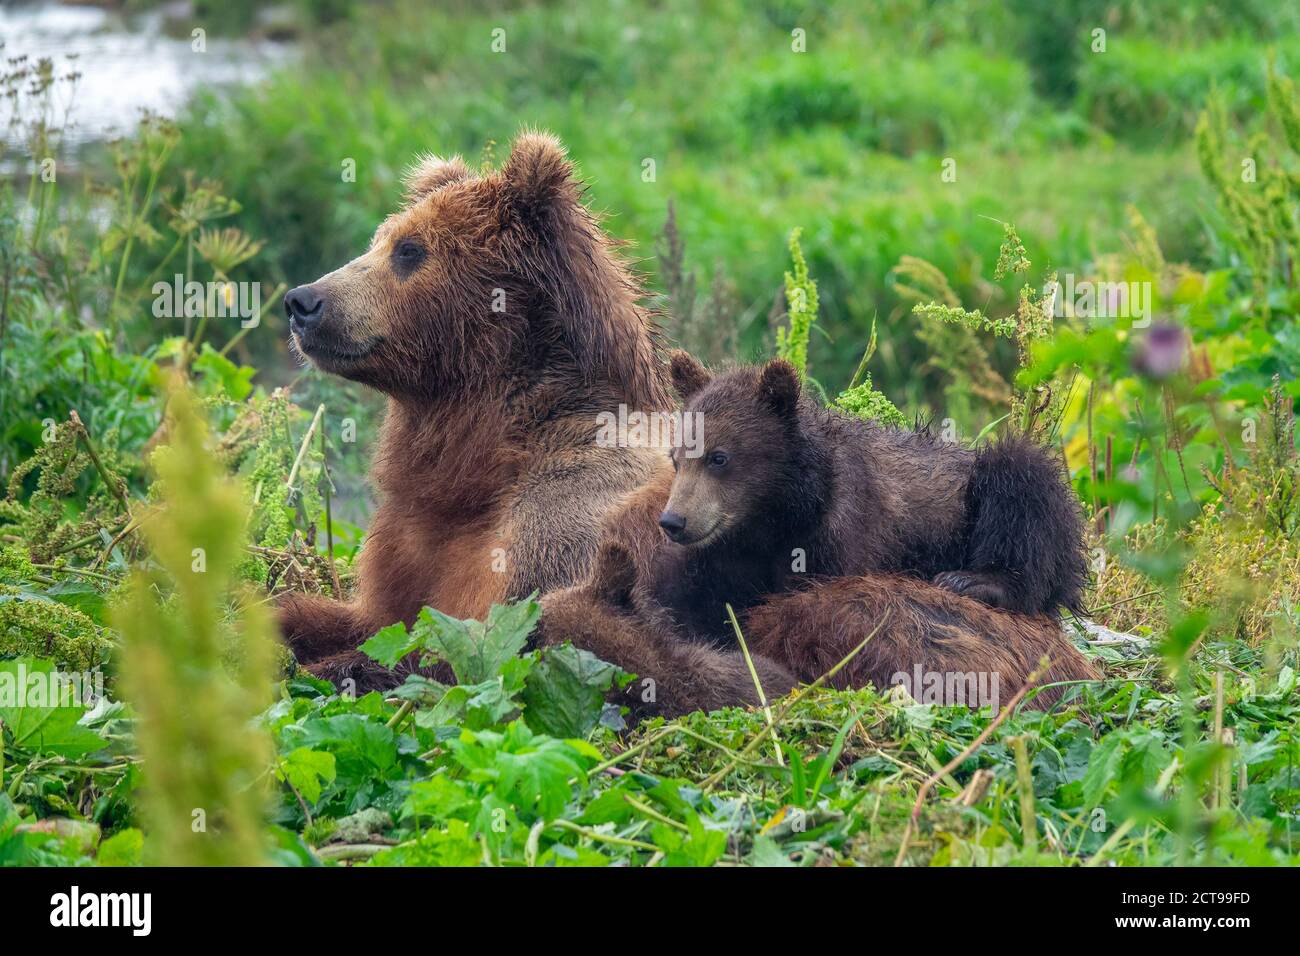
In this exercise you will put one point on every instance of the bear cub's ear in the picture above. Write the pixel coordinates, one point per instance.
(538, 174)
(689, 376)
(614, 576)
(430, 173)
(778, 385)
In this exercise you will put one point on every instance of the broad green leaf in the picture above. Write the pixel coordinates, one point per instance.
(1102, 767)
(306, 770)
(565, 692)
(390, 644)
(217, 374)
(454, 846)
(477, 650)
(531, 771)
(362, 746)
(122, 849)
(25, 684)
(767, 852)
(440, 799)
(697, 847)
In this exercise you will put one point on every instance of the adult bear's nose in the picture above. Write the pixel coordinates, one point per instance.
(672, 523)
(306, 307)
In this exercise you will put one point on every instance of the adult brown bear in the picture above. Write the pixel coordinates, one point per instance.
(500, 322)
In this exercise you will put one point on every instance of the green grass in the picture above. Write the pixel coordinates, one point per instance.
(1122, 774)
(1144, 90)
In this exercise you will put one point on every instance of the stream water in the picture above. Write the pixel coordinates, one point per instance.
(127, 63)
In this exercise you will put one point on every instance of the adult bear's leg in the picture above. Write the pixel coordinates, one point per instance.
(316, 627)
(674, 676)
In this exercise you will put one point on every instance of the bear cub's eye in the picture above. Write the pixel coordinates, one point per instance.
(718, 459)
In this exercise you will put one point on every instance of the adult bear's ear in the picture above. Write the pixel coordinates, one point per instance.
(778, 386)
(538, 178)
(430, 173)
(689, 376)
(554, 242)
(614, 576)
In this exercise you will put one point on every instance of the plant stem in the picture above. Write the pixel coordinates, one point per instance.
(114, 487)
(958, 760)
(749, 748)
(329, 518)
(1025, 782)
(302, 450)
(89, 539)
(406, 708)
(762, 697)
(71, 570)
(603, 837)
(654, 814)
(239, 336)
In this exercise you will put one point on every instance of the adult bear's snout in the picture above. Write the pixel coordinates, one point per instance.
(305, 306)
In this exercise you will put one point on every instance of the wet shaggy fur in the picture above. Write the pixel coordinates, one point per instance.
(787, 490)
(797, 637)
(920, 626)
(499, 320)
(606, 616)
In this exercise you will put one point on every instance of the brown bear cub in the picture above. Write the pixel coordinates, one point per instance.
(780, 490)
(944, 648)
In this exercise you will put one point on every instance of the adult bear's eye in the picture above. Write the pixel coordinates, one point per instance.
(409, 249)
(407, 254)
(718, 459)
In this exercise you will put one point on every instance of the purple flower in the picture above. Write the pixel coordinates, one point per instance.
(1161, 352)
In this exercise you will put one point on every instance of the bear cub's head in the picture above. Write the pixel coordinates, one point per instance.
(747, 468)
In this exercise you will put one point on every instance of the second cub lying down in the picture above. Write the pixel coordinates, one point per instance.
(797, 637)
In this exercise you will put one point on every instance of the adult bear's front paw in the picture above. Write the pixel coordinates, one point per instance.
(983, 587)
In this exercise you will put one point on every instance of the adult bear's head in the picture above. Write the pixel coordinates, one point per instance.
(483, 279)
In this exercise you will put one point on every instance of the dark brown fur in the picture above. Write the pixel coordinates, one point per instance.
(800, 636)
(675, 675)
(499, 320)
(783, 490)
